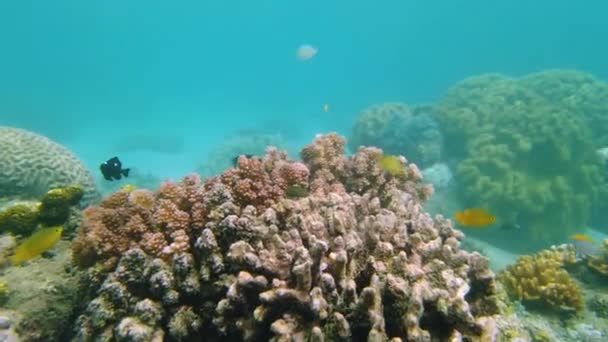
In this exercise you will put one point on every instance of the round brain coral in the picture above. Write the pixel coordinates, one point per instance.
(398, 129)
(524, 158)
(31, 165)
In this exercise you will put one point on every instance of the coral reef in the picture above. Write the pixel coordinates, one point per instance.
(522, 156)
(250, 142)
(541, 279)
(397, 129)
(599, 305)
(43, 297)
(579, 93)
(56, 207)
(138, 178)
(342, 264)
(31, 165)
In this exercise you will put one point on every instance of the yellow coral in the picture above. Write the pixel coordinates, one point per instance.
(541, 278)
(56, 203)
(20, 217)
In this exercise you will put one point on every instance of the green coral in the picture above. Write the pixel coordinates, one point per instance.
(523, 157)
(56, 204)
(54, 208)
(20, 218)
(579, 93)
(4, 293)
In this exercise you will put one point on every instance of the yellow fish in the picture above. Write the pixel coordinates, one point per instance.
(474, 217)
(581, 237)
(40, 242)
(128, 188)
(392, 165)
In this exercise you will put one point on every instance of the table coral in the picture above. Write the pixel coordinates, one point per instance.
(336, 265)
(522, 156)
(541, 278)
(31, 164)
(398, 129)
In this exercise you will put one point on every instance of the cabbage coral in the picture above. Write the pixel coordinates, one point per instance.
(526, 159)
(541, 278)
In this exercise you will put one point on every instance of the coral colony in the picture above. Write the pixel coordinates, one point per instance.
(357, 259)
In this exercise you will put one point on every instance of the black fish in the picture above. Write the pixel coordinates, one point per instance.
(112, 169)
(235, 160)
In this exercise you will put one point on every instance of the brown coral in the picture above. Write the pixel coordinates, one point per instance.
(31, 164)
(540, 278)
(159, 223)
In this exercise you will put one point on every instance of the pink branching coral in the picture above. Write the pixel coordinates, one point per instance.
(263, 182)
(160, 223)
(356, 259)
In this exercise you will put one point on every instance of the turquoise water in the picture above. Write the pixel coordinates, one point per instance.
(166, 85)
(88, 74)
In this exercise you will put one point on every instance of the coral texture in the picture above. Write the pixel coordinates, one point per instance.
(31, 164)
(398, 129)
(358, 259)
(54, 208)
(220, 158)
(522, 156)
(541, 279)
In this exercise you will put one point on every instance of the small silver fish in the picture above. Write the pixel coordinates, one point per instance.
(585, 249)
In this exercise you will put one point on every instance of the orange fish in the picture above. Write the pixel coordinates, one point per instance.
(581, 237)
(474, 217)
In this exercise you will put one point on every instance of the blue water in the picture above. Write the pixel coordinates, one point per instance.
(90, 73)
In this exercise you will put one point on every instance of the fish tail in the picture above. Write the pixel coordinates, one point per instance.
(125, 172)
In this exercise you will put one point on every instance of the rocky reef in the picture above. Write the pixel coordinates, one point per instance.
(232, 258)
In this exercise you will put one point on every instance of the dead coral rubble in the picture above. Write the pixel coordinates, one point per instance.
(349, 262)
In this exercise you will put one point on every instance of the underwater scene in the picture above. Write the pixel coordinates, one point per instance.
(265, 170)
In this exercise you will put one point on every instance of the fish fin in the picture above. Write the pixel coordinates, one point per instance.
(125, 172)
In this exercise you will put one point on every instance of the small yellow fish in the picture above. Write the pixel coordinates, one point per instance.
(474, 217)
(40, 242)
(392, 165)
(581, 237)
(128, 188)
(326, 108)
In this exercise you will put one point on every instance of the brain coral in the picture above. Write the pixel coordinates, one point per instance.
(397, 129)
(341, 264)
(524, 158)
(31, 165)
